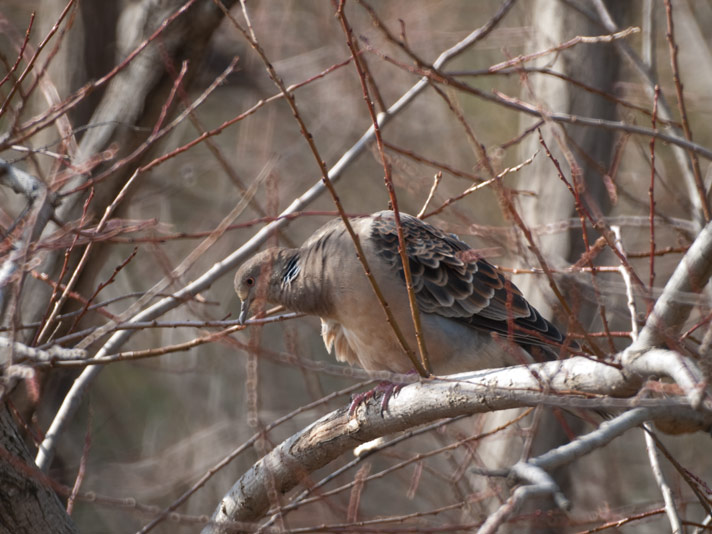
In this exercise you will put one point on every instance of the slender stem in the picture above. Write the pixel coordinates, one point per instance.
(402, 250)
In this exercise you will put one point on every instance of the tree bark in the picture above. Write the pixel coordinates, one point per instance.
(27, 502)
(590, 150)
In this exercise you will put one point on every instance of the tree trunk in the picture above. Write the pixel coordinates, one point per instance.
(589, 149)
(27, 502)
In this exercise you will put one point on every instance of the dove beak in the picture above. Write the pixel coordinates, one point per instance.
(244, 308)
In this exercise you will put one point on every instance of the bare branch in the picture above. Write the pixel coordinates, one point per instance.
(424, 402)
(670, 509)
(539, 483)
(22, 352)
(691, 275)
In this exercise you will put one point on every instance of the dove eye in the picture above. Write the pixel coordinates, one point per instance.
(249, 282)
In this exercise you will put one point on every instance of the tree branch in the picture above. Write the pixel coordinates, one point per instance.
(468, 393)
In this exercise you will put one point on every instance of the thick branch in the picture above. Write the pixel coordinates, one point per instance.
(468, 393)
(690, 276)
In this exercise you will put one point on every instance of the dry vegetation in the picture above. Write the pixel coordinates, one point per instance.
(148, 148)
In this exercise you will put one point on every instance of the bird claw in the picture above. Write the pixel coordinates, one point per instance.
(387, 389)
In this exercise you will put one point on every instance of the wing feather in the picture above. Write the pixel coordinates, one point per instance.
(460, 286)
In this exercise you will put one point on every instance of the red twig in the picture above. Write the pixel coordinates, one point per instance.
(519, 138)
(388, 179)
(356, 491)
(20, 54)
(199, 235)
(432, 163)
(670, 35)
(71, 294)
(101, 286)
(157, 133)
(651, 200)
(702, 322)
(177, 82)
(51, 303)
(205, 135)
(474, 188)
(82, 466)
(62, 123)
(582, 212)
(568, 79)
(605, 232)
(33, 59)
(579, 39)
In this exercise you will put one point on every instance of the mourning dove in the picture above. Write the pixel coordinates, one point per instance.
(468, 310)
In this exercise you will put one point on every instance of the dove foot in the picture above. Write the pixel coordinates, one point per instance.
(387, 389)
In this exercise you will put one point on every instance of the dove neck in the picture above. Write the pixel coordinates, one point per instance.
(303, 288)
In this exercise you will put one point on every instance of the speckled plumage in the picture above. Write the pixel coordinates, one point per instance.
(463, 299)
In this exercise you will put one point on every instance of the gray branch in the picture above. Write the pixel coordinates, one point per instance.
(21, 351)
(539, 483)
(691, 275)
(468, 393)
(39, 210)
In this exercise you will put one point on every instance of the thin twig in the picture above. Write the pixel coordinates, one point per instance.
(476, 187)
(517, 104)
(30, 63)
(436, 181)
(651, 200)
(424, 369)
(670, 36)
(520, 60)
(38, 123)
(628, 286)
(84, 259)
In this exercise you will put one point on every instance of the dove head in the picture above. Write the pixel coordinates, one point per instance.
(258, 277)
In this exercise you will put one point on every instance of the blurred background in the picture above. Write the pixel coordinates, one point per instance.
(148, 429)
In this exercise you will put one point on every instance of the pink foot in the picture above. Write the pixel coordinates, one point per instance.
(388, 389)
